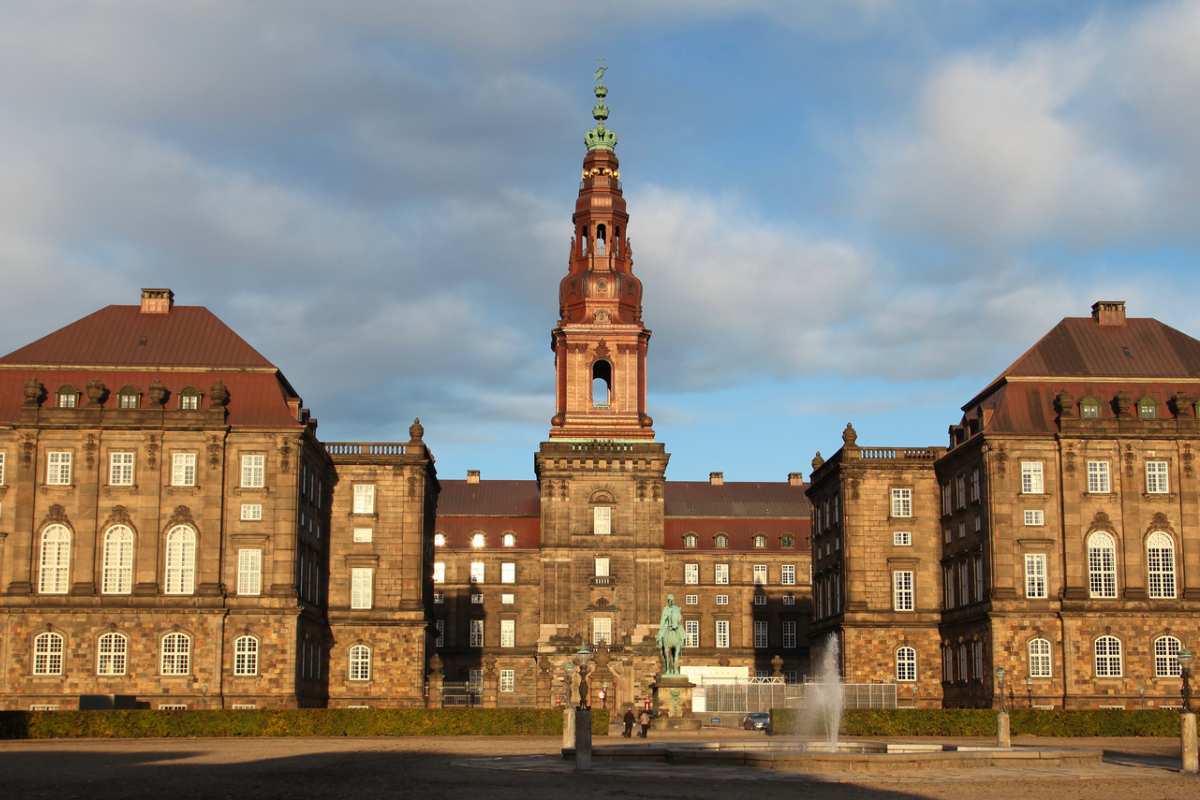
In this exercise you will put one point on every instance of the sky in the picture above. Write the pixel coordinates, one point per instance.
(841, 211)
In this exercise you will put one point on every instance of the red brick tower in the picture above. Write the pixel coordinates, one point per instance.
(600, 341)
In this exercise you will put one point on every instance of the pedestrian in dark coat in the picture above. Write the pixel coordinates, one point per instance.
(629, 720)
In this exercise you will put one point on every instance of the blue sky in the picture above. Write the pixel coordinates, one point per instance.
(858, 210)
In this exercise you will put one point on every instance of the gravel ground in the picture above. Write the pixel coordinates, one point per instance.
(520, 769)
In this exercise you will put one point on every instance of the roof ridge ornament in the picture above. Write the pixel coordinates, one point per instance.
(599, 137)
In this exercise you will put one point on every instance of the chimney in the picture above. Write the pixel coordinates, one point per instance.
(1109, 312)
(795, 479)
(716, 478)
(157, 301)
(472, 476)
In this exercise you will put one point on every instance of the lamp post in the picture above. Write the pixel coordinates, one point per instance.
(1188, 740)
(1029, 690)
(583, 713)
(581, 658)
(1185, 670)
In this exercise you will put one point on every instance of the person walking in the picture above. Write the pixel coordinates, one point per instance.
(644, 722)
(629, 720)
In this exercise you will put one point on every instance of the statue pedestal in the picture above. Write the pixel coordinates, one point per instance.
(673, 701)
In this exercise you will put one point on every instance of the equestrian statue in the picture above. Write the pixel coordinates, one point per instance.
(670, 637)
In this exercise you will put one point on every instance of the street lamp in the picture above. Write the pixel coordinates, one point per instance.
(1029, 689)
(581, 658)
(1003, 699)
(1185, 664)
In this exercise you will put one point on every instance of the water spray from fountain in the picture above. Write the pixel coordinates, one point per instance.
(824, 700)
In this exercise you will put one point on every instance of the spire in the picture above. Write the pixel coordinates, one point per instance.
(599, 137)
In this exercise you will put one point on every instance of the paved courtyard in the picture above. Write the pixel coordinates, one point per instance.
(489, 768)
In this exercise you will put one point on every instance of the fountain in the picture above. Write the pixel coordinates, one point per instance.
(824, 700)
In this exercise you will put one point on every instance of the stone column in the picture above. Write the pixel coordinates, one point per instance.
(583, 739)
(433, 699)
(1187, 743)
(568, 737)
(1003, 735)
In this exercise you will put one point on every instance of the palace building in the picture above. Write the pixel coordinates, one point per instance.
(173, 533)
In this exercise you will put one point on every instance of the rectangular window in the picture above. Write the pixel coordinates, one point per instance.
(183, 469)
(691, 599)
(902, 538)
(760, 574)
(946, 499)
(902, 590)
(363, 534)
(1032, 479)
(68, 400)
(477, 572)
(364, 498)
(58, 468)
(787, 574)
(476, 633)
(1035, 517)
(475, 680)
(1, 468)
(602, 520)
(361, 584)
(249, 577)
(439, 572)
(721, 574)
(789, 599)
(253, 470)
(978, 564)
(601, 630)
(251, 512)
(691, 574)
(947, 586)
(902, 503)
(722, 633)
(476, 598)
(760, 599)
(760, 634)
(508, 572)
(508, 633)
(1035, 576)
(439, 598)
(960, 488)
(975, 486)
(1156, 477)
(189, 402)
(508, 599)
(691, 633)
(963, 586)
(120, 469)
(1098, 479)
(789, 634)
(439, 628)
(962, 530)
(722, 600)
(601, 567)
(508, 680)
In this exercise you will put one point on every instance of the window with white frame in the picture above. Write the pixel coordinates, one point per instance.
(183, 469)
(1040, 662)
(508, 633)
(902, 538)
(116, 570)
(127, 400)
(508, 680)
(360, 663)
(691, 574)
(478, 540)
(760, 634)
(602, 520)
(787, 574)
(509, 540)
(1032, 478)
(176, 655)
(508, 572)
(1035, 576)
(1166, 657)
(902, 590)
(58, 468)
(1160, 566)
(601, 630)
(1156, 477)
(439, 633)
(759, 571)
(906, 664)
(789, 599)
(475, 633)
(362, 582)
(477, 572)
(439, 539)
(721, 600)
(901, 503)
(475, 680)
(721, 541)
(1099, 481)
(2, 468)
(249, 575)
(722, 633)
(253, 470)
(600, 566)
(48, 654)
(120, 468)
(245, 656)
(691, 633)
(364, 498)
(251, 512)
(721, 574)
(1035, 517)
(691, 599)
(189, 401)
(68, 398)
(112, 654)
(760, 542)
(760, 599)
(1108, 657)
(54, 568)
(508, 599)
(689, 541)
(439, 572)
(363, 535)
(439, 598)
(477, 598)
(1102, 565)
(789, 634)
(180, 573)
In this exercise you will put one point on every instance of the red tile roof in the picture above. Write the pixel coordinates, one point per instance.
(741, 533)
(736, 499)
(1028, 407)
(489, 498)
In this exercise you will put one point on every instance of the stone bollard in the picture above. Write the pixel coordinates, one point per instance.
(1187, 742)
(568, 740)
(1003, 735)
(583, 739)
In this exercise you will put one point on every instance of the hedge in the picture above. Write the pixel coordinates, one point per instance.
(290, 722)
(982, 722)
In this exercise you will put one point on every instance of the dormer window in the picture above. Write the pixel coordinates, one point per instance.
(787, 541)
(1147, 408)
(721, 541)
(189, 400)
(1089, 408)
(478, 540)
(760, 542)
(439, 539)
(68, 397)
(127, 398)
(510, 540)
(689, 541)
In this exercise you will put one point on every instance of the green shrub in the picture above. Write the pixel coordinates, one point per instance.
(290, 722)
(982, 722)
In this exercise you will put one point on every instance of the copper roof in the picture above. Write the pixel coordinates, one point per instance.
(1029, 406)
(122, 336)
(489, 498)
(735, 499)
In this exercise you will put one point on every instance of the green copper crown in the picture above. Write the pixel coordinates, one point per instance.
(599, 137)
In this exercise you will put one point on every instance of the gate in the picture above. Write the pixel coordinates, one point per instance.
(462, 694)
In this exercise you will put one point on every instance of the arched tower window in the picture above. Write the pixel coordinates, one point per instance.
(583, 241)
(601, 239)
(616, 240)
(601, 383)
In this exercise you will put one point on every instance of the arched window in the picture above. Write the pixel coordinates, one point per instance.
(1160, 565)
(760, 542)
(906, 664)
(116, 573)
(1102, 565)
(54, 568)
(689, 541)
(601, 237)
(180, 570)
(439, 539)
(721, 541)
(48, 654)
(1089, 408)
(176, 654)
(478, 540)
(1108, 657)
(1166, 657)
(787, 541)
(601, 383)
(510, 539)
(1147, 408)
(360, 663)
(245, 655)
(1040, 664)
(112, 654)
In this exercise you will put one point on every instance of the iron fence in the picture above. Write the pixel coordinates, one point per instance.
(742, 696)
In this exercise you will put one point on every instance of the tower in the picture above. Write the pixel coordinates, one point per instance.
(600, 342)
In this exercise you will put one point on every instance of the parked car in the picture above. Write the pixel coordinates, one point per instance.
(757, 721)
